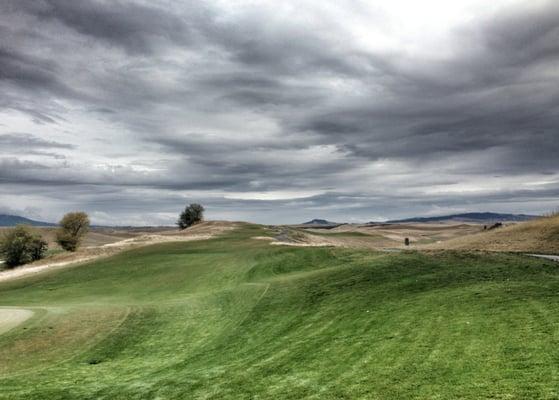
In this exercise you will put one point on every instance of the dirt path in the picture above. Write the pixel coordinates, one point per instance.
(12, 317)
(34, 269)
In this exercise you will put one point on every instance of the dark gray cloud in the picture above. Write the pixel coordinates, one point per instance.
(497, 95)
(261, 109)
(28, 141)
(28, 71)
(135, 27)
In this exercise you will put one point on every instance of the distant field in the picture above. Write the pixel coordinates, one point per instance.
(383, 236)
(234, 317)
(537, 236)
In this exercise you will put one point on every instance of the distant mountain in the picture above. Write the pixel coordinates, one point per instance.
(471, 217)
(320, 222)
(13, 220)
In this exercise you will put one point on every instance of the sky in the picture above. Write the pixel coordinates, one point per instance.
(278, 112)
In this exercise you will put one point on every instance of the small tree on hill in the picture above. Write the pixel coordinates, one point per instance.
(73, 226)
(21, 246)
(191, 215)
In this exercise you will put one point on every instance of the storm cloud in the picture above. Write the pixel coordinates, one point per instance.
(274, 112)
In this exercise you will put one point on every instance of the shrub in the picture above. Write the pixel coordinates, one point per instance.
(73, 226)
(191, 215)
(21, 246)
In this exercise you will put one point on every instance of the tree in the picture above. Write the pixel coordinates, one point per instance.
(73, 226)
(21, 246)
(191, 215)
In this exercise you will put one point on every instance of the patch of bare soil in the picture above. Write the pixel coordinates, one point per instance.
(202, 231)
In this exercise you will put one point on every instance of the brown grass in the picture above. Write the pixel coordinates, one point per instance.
(538, 236)
(384, 236)
(95, 237)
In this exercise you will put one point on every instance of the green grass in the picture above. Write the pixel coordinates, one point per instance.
(234, 318)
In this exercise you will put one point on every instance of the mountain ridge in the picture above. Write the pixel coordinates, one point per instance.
(319, 221)
(13, 220)
(471, 217)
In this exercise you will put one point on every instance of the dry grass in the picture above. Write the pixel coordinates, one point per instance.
(383, 236)
(104, 242)
(95, 237)
(538, 236)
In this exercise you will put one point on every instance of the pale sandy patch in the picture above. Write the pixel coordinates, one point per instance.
(302, 244)
(12, 317)
(263, 238)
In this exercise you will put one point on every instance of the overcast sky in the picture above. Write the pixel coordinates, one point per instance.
(278, 112)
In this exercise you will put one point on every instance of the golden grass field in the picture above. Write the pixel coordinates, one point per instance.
(537, 236)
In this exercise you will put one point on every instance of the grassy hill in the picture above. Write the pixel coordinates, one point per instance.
(537, 236)
(235, 318)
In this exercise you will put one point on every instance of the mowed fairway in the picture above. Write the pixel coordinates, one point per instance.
(234, 318)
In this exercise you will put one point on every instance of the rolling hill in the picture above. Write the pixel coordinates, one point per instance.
(236, 318)
(13, 220)
(536, 236)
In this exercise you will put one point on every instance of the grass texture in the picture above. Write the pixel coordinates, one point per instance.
(236, 318)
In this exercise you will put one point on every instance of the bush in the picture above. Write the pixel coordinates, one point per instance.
(191, 215)
(73, 226)
(21, 246)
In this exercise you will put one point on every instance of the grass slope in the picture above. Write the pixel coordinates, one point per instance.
(537, 236)
(234, 318)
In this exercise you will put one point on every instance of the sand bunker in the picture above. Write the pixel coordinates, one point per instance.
(12, 317)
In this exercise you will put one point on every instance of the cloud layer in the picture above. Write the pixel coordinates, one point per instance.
(278, 112)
